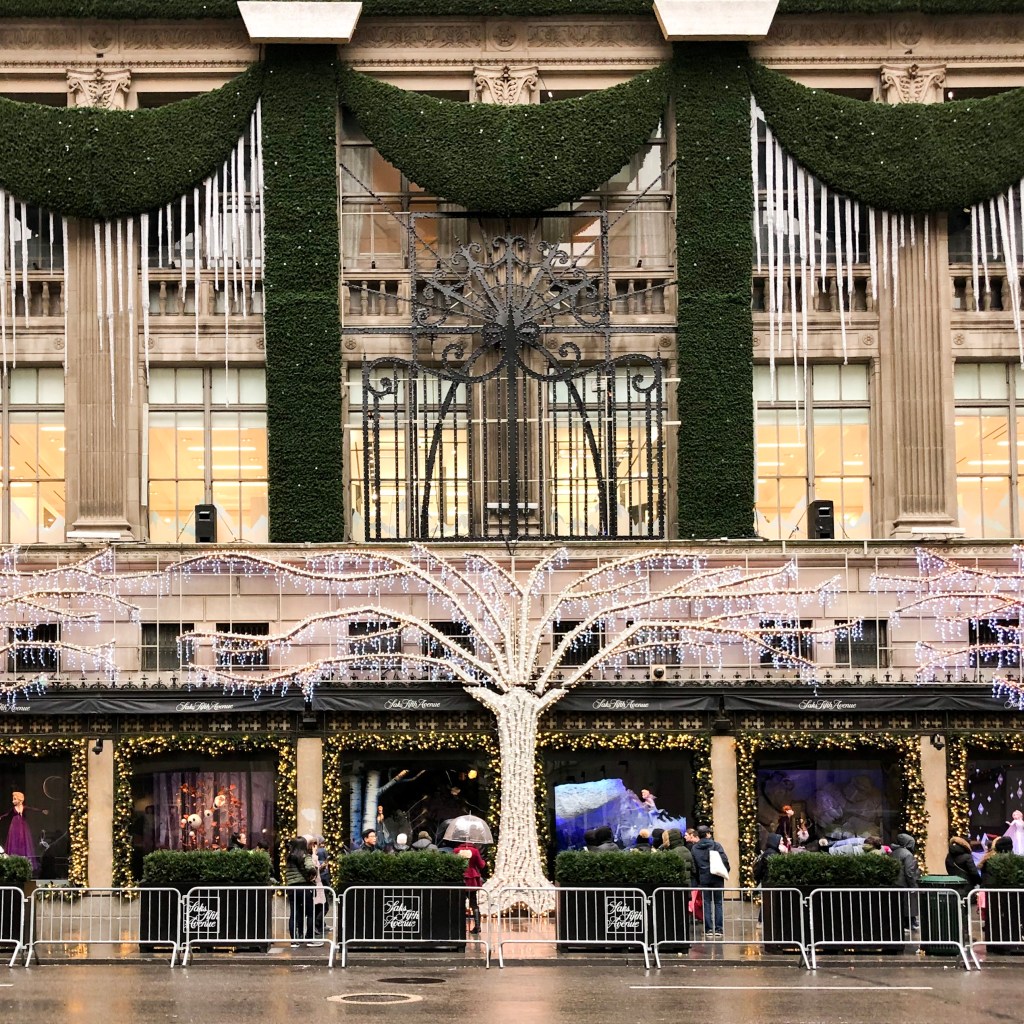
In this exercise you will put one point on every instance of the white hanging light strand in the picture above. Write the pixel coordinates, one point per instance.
(144, 253)
(133, 340)
(3, 279)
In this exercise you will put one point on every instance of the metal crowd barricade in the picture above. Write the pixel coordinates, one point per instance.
(256, 918)
(12, 920)
(996, 922)
(417, 917)
(571, 918)
(773, 919)
(147, 918)
(876, 919)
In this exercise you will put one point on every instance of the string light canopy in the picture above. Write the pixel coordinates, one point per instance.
(976, 613)
(516, 638)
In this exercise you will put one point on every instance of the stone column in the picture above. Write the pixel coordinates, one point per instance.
(100, 802)
(916, 375)
(936, 804)
(98, 418)
(309, 784)
(726, 803)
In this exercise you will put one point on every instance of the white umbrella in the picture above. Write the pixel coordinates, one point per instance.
(468, 828)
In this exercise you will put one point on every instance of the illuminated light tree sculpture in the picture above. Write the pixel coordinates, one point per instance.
(523, 638)
(960, 598)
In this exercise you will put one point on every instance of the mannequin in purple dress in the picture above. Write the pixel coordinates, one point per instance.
(19, 836)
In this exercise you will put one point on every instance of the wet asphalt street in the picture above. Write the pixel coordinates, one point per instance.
(578, 993)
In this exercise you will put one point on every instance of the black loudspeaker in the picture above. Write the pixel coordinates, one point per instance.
(206, 524)
(821, 520)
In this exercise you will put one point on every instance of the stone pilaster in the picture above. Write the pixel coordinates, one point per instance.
(726, 802)
(101, 424)
(309, 784)
(915, 374)
(100, 801)
(936, 802)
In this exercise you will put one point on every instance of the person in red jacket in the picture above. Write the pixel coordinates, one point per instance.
(474, 878)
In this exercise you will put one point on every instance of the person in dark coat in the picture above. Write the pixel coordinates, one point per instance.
(772, 848)
(711, 885)
(959, 861)
(423, 843)
(1004, 844)
(604, 843)
(903, 847)
(590, 840)
(657, 837)
(370, 844)
(672, 844)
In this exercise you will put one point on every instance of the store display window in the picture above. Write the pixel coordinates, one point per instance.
(625, 791)
(194, 802)
(35, 813)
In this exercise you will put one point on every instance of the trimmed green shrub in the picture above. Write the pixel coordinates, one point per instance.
(910, 157)
(15, 871)
(86, 162)
(508, 160)
(301, 288)
(186, 869)
(580, 868)
(415, 868)
(821, 871)
(1005, 871)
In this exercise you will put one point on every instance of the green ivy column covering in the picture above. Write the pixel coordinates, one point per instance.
(301, 287)
(714, 253)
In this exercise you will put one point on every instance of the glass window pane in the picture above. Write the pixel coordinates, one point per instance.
(188, 386)
(161, 386)
(826, 383)
(828, 442)
(252, 387)
(965, 381)
(23, 437)
(789, 384)
(992, 380)
(762, 384)
(172, 510)
(51, 446)
(51, 386)
(853, 380)
(23, 387)
(224, 386)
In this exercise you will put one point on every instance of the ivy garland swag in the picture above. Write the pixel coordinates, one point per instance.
(197, 9)
(507, 161)
(128, 751)
(907, 158)
(303, 327)
(78, 792)
(93, 163)
(906, 748)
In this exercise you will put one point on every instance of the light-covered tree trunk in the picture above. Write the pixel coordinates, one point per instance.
(518, 859)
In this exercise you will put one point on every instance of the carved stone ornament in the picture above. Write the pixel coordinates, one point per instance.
(99, 87)
(507, 86)
(913, 83)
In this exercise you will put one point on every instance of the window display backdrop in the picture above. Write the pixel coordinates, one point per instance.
(406, 794)
(189, 802)
(626, 790)
(852, 794)
(36, 826)
(995, 789)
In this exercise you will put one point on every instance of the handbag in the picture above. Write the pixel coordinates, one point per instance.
(716, 865)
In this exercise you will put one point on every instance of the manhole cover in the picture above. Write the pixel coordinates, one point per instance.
(412, 981)
(374, 998)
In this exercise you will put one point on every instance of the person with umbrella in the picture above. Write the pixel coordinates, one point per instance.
(469, 832)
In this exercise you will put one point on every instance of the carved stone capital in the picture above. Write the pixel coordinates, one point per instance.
(99, 87)
(506, 86)
(913, 83)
